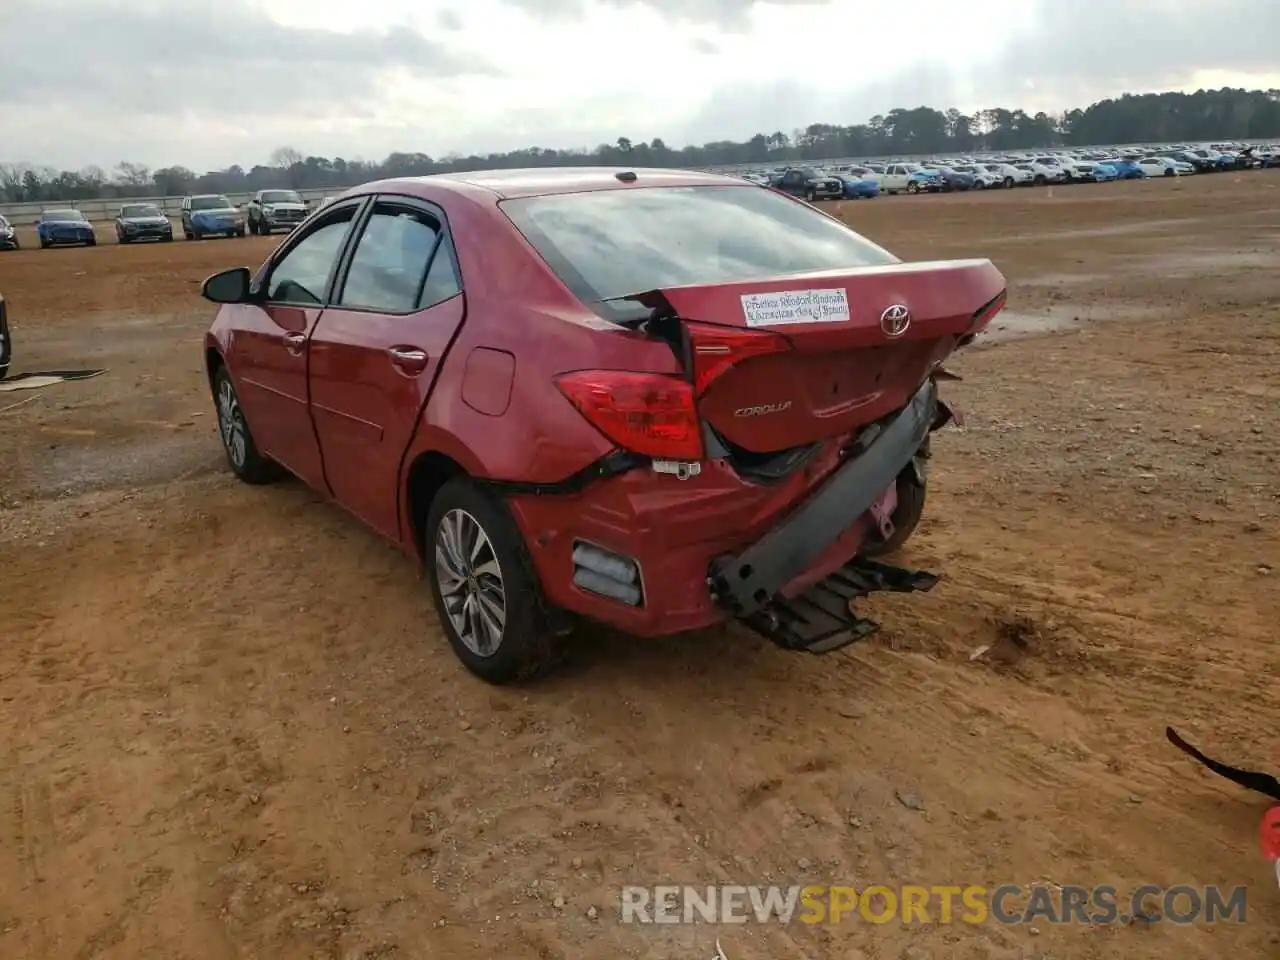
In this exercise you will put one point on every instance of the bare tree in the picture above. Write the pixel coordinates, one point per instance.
(132, 174)
(285, 157)
(11, 180)
(288, 160)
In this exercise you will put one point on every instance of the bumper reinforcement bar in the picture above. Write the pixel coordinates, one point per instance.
(822, 618)
(751, 580)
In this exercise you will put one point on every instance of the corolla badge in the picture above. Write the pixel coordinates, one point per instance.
(761, 409)
(895, 320)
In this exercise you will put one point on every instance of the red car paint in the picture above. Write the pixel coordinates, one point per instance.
(490, 382)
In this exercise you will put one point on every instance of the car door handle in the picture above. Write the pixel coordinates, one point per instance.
(294, 342)
(408, 359)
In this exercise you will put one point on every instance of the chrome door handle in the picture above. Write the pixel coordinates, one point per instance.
(407, 355)
(294, 342)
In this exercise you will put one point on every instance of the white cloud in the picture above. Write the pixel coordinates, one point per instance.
(208, 83)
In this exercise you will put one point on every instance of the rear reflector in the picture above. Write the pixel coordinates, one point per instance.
(611, 575)
(651, 414)
(717, 349)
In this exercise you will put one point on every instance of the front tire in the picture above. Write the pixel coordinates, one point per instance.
(246, 462)
(486, 593)
(913, 188)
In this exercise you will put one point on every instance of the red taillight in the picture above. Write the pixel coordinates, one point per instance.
(717, 349)
(985, 314)
(651, 414)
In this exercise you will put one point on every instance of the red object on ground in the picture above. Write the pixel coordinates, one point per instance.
(1269, 835)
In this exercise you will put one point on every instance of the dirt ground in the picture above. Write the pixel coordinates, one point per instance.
(231, 727)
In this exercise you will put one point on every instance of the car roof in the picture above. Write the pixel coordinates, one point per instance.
(539, 181)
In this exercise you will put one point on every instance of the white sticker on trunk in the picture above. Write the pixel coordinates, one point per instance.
(795, 306)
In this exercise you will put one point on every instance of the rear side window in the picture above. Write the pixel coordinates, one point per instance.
(390, 264)
(616, 243)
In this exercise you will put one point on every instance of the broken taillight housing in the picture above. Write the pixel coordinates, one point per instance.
(651, 414)
(987, 312)
(715, 350)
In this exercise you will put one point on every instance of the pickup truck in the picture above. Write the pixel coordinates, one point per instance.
(910, 178)
(272, 210)
(810, 184)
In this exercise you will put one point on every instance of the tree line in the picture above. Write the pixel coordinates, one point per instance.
(1206, 115)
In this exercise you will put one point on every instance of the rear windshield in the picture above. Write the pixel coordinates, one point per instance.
(616, 243)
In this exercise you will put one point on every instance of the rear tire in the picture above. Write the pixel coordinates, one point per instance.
(1008, 183)
(486, 593)
(913, 188)
(906, 517)
(243, 457)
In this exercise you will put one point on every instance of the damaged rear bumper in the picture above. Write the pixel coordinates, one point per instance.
(751, 581)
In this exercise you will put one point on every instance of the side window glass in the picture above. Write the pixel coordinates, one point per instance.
(303, 274)
(390, 261)
(442, 279)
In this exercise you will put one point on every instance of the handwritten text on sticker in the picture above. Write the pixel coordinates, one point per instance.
(795, 306)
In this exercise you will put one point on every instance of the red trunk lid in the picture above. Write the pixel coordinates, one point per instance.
(858, 344)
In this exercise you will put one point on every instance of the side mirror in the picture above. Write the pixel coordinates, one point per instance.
(229, 286)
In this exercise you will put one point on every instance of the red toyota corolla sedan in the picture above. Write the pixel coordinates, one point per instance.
(654, 398)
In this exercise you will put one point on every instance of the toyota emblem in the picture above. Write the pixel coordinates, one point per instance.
(895, 320)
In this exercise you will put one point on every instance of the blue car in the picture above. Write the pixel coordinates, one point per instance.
(1097, 172)
(857, 188)
(65, 226)
(1128, 169)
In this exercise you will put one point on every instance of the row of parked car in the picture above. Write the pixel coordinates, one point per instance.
(201, 216)
(851, 181)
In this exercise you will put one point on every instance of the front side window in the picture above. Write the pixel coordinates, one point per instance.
(390, 262)
(615, 243)
(302, 275)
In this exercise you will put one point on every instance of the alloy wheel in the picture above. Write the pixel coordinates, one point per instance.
(471, 584)
(231, 424)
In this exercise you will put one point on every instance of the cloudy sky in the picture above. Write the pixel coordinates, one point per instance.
(208, 83)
